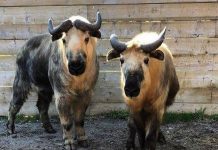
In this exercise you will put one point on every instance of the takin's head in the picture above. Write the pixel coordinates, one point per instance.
(78, 37)
(134, 59)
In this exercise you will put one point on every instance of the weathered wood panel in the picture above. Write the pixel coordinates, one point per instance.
(175, 29)
(113, 95)
(192, 31)
(193, 71)
(29, 108)
(39, 15)
(111, 79)
(88, 2)
(184, 11)
(178, 46)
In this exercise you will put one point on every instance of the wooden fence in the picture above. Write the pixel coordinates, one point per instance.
(192, 31)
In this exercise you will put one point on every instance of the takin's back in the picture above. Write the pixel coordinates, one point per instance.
(33, 59)
(170, 76)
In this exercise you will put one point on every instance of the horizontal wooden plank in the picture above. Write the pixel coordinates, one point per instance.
(108, 90)
(178, 46)
(193, 71)
(29, 108)
(7, 63)
(185, 11)
(85, 2)
(186, 107)
(187, 79)
(39, 15)
(98, 108)
(175, 29)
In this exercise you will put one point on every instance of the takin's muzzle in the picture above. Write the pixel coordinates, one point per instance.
(77, 64)
(132, 85)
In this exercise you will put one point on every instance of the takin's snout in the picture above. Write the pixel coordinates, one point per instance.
(76, 65)
(132, 86)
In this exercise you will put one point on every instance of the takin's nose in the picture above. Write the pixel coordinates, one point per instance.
(132, 88)
(76, 67)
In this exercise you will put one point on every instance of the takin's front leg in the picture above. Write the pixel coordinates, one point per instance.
(64, 107)
(154, 132)
(130, 144)
(79, 110)
(139, 120)
(161, 138)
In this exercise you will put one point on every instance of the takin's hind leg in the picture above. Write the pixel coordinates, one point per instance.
(21, 87)
(130, 144)
(44, 100)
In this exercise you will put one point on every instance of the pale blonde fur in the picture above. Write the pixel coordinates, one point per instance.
(151, 95)
(75, 41)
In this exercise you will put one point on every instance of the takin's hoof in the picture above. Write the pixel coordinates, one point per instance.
(70, 147)
(161, 139)
(10, 128)
(49, 129)
(130, 145)
(83, 144)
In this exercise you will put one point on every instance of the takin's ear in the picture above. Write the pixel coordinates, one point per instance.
(96, 34)
(56, 37)
(112, 54)
(158, 54)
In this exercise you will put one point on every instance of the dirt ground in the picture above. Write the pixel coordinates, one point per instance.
(111, 134)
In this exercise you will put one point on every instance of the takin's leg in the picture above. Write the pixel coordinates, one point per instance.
(79, 115)
(154, 130)
(64, 107)
(161, 138)
(44, 99)
(139, 119)
(21, 89)
(130, 144)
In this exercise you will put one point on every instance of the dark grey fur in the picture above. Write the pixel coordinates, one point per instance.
(40, 63)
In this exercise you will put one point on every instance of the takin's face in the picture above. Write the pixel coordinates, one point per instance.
(135, 70)
(78, 36)
(135, 58)
(78, 46)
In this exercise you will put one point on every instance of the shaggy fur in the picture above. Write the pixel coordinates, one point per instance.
(157, 89)
(44, 64)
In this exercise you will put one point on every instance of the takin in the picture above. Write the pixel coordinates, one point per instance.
(149, 83)
(64, 64)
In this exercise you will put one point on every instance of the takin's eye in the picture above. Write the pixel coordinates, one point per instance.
(121, 61)
(64, 41)
(146, 60)
(86, 40)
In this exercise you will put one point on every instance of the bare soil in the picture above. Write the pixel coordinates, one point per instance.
(111, 134)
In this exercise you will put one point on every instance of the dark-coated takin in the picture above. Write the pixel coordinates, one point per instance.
(149, 84)
(64, 64)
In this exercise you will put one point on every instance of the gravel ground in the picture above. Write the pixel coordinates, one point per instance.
(111, 134)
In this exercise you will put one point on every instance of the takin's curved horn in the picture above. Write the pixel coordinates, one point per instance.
(63, 27)
(116, 44)
(88, 26)
(154, 45)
